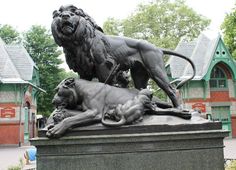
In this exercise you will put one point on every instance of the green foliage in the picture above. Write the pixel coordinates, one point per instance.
(112, 26)
(157, 91)
(162, 22)
(9, 34)
(229, 30)
(65, 75)
(41, 47)
(17, 167)
(231, 166)
(43, 50)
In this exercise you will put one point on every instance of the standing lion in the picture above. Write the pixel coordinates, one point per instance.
(92, 54)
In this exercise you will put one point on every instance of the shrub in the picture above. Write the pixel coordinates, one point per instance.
(231, 165)
(17, 167)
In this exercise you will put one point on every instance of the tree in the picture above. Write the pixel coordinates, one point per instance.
(229, 30)
(43, 50)
(162, 22)
(112, 26)
(68, 74)
(9, 34)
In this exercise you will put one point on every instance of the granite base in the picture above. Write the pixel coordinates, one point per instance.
(184, 146)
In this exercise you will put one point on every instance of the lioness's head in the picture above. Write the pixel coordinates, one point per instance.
(66, 96)
(65, 22)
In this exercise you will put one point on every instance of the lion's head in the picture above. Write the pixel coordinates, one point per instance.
(65, 23)
(67, 19)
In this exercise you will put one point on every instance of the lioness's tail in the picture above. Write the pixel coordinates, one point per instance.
(121, 122)
(169, 52)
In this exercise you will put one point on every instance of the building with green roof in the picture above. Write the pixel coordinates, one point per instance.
(213, 89)
(19, 87)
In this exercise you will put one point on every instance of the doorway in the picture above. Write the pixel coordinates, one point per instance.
(222, 114)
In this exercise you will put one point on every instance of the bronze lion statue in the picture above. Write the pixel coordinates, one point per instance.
(92, 54)
(79, 102)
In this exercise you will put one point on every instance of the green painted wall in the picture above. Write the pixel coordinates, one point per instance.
(11, 93)
(7, 87)
(221, 55)
(35, 77)
(194, 89)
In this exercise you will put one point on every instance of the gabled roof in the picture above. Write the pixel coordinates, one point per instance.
(21, 60)
(16, 66)
(201, 52)
(7, 68)
(177, 65)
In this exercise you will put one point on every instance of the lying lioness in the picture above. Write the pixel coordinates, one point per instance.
(84, 102)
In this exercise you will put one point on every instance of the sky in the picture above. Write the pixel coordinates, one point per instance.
(21, 14)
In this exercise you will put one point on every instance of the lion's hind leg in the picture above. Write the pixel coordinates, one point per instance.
(140, 76)
(154, 64)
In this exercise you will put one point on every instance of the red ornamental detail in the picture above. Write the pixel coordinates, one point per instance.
(8, 112)
(199, 106)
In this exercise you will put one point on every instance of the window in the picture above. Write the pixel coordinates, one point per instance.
(218, 78)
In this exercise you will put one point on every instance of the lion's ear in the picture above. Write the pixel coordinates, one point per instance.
(55, 14)
(69, 82)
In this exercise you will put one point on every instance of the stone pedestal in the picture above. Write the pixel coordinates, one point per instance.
(152, 146)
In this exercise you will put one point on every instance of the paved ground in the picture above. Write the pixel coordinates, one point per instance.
(10, 155)
(230, 148)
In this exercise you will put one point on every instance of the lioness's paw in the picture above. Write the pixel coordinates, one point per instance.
(56, 131)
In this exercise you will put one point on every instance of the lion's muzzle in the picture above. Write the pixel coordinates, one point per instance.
(66, 15)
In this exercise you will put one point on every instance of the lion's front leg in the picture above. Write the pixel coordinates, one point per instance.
(80, 118)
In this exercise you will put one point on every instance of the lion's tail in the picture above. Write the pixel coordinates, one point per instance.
(169, 52)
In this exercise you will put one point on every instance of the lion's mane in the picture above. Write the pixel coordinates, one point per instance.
(83, 41)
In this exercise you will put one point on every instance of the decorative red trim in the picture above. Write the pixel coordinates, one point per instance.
(226, 70)
(200, 106)
(216, 96)
(9, 105)
(14, 105)
(11, 123)
(207, 100)
(33, 107)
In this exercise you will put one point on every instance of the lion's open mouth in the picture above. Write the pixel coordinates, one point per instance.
(67, 28)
